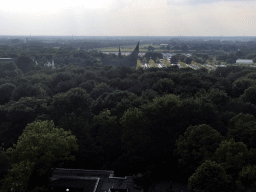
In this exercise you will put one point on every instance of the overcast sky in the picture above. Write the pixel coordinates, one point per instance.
(128, 17)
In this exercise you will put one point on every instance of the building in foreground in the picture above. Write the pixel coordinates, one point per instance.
(80, 180)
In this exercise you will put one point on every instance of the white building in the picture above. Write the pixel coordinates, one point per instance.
(244, 61)
(50, 64)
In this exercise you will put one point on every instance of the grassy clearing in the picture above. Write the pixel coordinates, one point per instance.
(143, 49)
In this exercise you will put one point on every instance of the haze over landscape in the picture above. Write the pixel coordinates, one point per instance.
(129, 18)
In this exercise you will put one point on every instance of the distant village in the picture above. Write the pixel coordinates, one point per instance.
(167, 57)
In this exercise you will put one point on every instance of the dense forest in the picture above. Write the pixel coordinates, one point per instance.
(176, 124)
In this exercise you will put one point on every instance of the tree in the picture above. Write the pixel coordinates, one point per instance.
(174, 60)
(41, 147)
(254, 60)
(152, 63)
(209, 177)
(25, 90)
(188, 60)
(153, 56)
(139, 64)
(144, 60)
(239, 54)
(164, 86)
(6, 92)
(218, 97)
(157, 60)
(231, 58)
(107, 135)
(162, 126)
(242, 128)
(151, 48)
(232, 156)
(88, 85)
(135, 134)
(22, 112)
(76, 101)
(249, 95)
(247, 178)
(4, 164)
(24, 63)
(241, 84)
(197, 145)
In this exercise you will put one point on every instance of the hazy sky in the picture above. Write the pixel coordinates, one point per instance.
(128, 17)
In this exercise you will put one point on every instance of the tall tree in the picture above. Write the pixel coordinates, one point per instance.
(209, 177)
(197, 145)
(24, 63)
(41, 147)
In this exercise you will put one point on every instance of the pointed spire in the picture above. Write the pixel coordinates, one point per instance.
(119, 53)
(137, 47)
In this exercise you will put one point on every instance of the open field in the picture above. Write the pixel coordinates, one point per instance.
(143, 49)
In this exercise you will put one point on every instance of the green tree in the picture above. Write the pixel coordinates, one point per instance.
(247, 179)
(232, 156)
(144, 60)
(88, 85)
(6, 92)
(107, 135)
(157, 60)
(25, 90)
(218, 97)
(209, 177)
(241, 84)
(139, 64)
(153, 56)
(197, 145)
(249, 95)
(4, 164)
(76, 101)
(24, 63)
(151, 48)
(41, 147)
(163, 126)
(135, 134)
(164, 86)
(188, 60)
(242, 128)
(174, 60)
(22, 112)
(152, 63)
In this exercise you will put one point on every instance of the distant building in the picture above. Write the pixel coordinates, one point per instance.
(50, 64)
(129, 61)
(244, 61)
(6, 59)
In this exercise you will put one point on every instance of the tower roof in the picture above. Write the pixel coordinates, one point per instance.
(137, 47)
(119, 53)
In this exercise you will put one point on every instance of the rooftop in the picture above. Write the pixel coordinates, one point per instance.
(96, 180)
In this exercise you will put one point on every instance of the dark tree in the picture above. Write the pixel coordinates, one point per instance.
(153, 56)
(24, 63)
(6, 92)
(150, 48)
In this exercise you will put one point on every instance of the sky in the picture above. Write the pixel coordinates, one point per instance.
(128, 17)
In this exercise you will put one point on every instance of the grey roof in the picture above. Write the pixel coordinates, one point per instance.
(245, 61)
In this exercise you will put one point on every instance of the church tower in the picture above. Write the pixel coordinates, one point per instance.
(119, 54)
